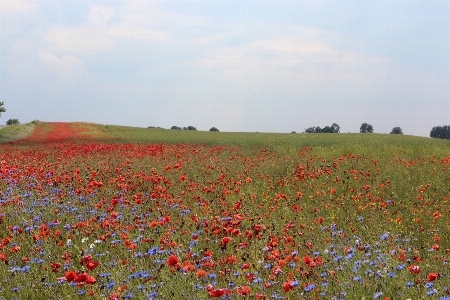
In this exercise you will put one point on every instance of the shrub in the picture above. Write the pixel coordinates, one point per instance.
(12, 122)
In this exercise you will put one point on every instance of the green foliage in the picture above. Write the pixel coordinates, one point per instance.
(214, 129)
(396, 130)
(334, 128)
(2, 108)
(440, 132)
(366, 128)
(12, 122)
(175, 128)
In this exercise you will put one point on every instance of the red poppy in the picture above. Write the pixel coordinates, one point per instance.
(172, 261)
(243, 290)
(91, 280)
(91, 265)
(415, 269)
(219, 292)
(70, 276)
(81, 277)
(432, 276)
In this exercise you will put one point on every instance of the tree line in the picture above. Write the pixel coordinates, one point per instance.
(440, 132)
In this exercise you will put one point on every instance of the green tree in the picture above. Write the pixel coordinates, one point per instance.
(214, 129)
(2, 109)
(366, 128)
(335, 128)
(12, 122)
(440, 132)
(175, 128)
(396, 130)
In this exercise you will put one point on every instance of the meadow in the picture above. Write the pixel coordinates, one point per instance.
(110, 212)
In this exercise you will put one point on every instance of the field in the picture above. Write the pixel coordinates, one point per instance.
(110, 212)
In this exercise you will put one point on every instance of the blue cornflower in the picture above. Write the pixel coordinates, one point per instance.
(309, 287)
(377, 295)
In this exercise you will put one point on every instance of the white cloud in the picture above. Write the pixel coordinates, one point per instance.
(9, 5)
(68, 67)
(102, 31)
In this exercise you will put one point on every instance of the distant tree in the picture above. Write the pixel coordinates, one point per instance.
(2, 109)
(185, 128)
(175, 128)
(191, 128)
(335, 128)
(214, 129)
(366, 128)
(396, 130)
(293, 132)
(12, 122)
(440, 132)
(310, 129)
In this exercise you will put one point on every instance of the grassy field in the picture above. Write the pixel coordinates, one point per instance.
(112, 212)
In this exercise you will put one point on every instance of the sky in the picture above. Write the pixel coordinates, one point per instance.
(241, 66)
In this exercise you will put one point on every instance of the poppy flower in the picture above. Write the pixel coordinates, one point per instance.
(432, 277)
(91, 280)
(415, 269)
(243, 290)
(219, 292)
(91, 265)
(70, 276)
(172, 261)
(82, 277)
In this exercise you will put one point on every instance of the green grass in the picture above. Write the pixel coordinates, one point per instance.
(16, 132)
(287, 142)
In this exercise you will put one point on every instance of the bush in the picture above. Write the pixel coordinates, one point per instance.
(396, 130)
(12, 122)
(175, 128)
(214, 129)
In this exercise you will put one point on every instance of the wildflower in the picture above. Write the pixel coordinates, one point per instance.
(172, 261)
(432, 276)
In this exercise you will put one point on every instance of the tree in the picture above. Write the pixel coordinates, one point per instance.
(191, 128)
(2, 109)
(440, 132)
(396, 130)
(175, 128)
(366, 128)
(335, 128)
(214, 129)
(12, 122)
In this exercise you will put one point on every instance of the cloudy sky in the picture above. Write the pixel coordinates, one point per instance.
(267, 66)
